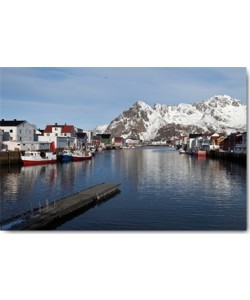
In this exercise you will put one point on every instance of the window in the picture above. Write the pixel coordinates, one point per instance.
(11, 131)
(47, 134)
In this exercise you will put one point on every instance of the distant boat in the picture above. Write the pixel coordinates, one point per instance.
(65, 156)
(182, 151)
(79, 155)
(93, 150)
(32, 158)
(201, 153)
(100, 149)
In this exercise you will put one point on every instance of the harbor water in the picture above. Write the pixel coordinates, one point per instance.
(160, 190)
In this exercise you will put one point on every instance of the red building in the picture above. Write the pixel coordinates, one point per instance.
(119, 141)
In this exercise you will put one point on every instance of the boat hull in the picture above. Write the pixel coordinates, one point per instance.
(37, 162)
(182, 152)
(33, 158)
(81, 158)
(79, 155)
(201, 153)
(65, 158)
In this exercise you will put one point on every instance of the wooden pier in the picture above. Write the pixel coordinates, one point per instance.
(64, 209)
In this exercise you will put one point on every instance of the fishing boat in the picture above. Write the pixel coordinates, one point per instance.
(65, 156)
(93, 150)
(79, 155)
(100, 149)
(201, 153)
(32, 158)
(182, 151)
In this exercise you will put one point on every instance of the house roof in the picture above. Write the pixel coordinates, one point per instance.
(48, 129)
(65, 128)
(10, 122)
(215, 135)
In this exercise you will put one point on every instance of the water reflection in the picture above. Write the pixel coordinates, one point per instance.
(161, 190)
(26, 188)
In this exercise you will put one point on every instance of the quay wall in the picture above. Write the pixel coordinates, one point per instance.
(10, 157)
(228, 156)
(14, 157)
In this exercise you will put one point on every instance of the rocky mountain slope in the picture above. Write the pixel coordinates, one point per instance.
(221, 114)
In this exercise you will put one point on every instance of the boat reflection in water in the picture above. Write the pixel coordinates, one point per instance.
(160, 190)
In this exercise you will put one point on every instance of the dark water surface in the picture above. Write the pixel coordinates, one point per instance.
(160, 190)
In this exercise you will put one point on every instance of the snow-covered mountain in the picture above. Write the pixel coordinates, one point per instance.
(101, 129)
(221, 114)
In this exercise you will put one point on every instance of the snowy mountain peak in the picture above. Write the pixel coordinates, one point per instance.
(142, 105)
(222, 114)
(219, 101)
(101, 129)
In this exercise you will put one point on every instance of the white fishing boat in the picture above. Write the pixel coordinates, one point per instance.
(32, 158)
(93, 150)
(79, 155)
(182, 151)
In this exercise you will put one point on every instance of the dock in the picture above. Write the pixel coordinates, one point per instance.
(60, 211)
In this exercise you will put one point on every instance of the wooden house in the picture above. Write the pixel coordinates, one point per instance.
(241, 146)
(17, 130)
(230, 141)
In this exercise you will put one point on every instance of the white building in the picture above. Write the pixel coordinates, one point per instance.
(65, 136)
(159, 143)
(131, 142)
(60, 130)
(60, 142)
(17, 130)
(29, 145)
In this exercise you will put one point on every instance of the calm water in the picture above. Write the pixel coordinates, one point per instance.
(160, 190)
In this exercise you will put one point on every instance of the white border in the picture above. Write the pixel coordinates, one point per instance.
(124, 266)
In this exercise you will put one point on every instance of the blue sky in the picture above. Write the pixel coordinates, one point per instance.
(87, 97)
